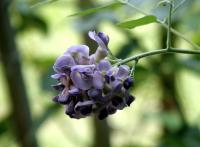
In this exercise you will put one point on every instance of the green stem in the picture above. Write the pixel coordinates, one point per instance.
(133, 69)
(181, 3)
(181, 36)
(169, 26)
(156, 52)
(164, 25)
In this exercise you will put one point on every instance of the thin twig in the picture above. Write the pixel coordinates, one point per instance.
(169, 25)
(156, 52)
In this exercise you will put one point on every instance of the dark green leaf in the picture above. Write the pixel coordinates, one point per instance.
(138, 22)
(98, 9)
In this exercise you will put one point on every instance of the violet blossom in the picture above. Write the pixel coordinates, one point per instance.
(89, 84)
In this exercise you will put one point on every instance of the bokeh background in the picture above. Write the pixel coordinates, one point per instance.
(33, 33)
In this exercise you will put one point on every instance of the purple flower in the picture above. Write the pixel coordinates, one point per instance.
(104, 66)
(63, 63)
(102, 51)
(80, 54)
(82, 76)
(98, 80)
(90, 84)
(123, 72)
(58, 76)
(101, 39)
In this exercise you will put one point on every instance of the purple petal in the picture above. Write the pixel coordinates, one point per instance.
(103, 37)
(80, 53)
(95, 93)
(98, 80)
(83, 50)
(83, 68)
(100, 54)
(81, 81)
(102, 41)
(58, 76)
(63, 97)
(83, 60)
(96, 38)
(123, 71)
(116, 85)
(74, 91)
(62, 62)
(92, 59)
(104, 65)
(112, 71)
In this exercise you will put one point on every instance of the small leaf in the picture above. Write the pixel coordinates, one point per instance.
(97, 9)
(138, 22)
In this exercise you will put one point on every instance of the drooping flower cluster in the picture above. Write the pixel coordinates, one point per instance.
(89, 83)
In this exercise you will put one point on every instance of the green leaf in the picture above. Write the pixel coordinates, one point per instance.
(138, 22)
(97, 9)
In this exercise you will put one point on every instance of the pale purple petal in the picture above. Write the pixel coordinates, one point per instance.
(83, 68)
(83, 60)
(95, 93)
(104, 65)
(81, 81)
(92, 59)
(98, 80)
(116, 86)
(92, 35)
(123, 71)
(78, 49)
(74, 91)
(100, 54)
(63, 97)
(62, 62)
(112, 71)
(96, 38)
(58, 76)
(80, 53)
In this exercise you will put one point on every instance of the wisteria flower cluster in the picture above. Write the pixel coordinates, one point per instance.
(89, 83)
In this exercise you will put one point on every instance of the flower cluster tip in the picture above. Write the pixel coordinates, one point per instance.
(89, 83)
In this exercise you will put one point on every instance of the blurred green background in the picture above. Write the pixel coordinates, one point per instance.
(33, 34)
